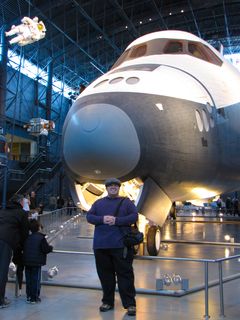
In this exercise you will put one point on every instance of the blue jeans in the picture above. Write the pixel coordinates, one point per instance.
(5, 258)
(33, 282)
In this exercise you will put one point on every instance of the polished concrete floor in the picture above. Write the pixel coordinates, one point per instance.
(75, 292)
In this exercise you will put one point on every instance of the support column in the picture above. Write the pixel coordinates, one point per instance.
(3, 88)
(49, 91)
(3, 76)
(42, 138)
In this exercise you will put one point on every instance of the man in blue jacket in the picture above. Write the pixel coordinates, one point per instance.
(109, 248)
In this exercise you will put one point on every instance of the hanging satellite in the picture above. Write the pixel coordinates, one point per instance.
(29, 31)
(39, 126)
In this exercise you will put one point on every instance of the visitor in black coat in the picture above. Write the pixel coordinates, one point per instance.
(14, 228)
(35, 252)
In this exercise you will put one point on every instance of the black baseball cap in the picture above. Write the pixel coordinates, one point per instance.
(111, 181)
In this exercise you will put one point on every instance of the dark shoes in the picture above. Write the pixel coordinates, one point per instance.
(131, 311)
(105, 307)
(33, 301)
(5, 303)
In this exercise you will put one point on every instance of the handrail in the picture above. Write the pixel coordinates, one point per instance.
(34, 162)
(37, 172)
(26, 171)
(30, 165)
(206, 278)
(49, 171)
(228, 258)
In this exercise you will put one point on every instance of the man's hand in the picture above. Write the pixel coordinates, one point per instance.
(110, 220)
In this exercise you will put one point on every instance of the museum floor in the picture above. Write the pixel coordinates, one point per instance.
(74, 292)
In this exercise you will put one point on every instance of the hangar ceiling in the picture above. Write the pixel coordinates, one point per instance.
(84, 38)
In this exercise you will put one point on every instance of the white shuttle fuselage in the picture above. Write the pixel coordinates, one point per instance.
(168, 114)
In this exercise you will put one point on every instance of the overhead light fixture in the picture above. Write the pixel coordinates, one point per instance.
(203, 193)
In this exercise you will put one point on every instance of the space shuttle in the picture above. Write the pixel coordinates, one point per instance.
(165, 120)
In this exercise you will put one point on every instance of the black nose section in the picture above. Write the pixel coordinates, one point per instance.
(100, 140)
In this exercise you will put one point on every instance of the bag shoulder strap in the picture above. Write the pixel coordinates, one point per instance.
(118, 206)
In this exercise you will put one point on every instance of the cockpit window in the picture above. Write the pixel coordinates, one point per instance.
(169, 46)
(138, 51)
(201, 51)
(212, 57)
(173, 47)
(196, 51)
(121, 59)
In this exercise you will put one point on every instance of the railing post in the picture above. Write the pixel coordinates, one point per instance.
(206, 316)
(221, 289)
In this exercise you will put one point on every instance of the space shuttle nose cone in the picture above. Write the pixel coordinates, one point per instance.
(99, 141)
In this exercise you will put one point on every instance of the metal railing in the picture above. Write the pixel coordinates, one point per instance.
(198, 211)
(201, 211)
(205, 287)
(54, 221)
